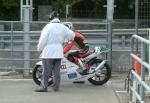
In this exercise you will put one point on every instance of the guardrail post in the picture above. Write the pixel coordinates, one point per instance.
(26, 2)
(67, 11)
(123, 41)
(136, 19)
(26, 27)
(149, 48)
(110, 11)
(12, 45)
(142, 89)
(132, 49)
(130, 85)
(2, 39)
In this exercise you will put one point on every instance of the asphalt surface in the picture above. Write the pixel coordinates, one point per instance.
(22, 91)
(15, 89)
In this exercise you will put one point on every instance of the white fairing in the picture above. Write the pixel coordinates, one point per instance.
(69, 70)
(65, 65)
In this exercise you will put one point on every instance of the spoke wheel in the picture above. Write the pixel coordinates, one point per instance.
(102, 75)
(37, 75)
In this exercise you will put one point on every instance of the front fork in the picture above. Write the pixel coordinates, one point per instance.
(99, 67)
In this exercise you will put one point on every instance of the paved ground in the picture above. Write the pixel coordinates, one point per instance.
(117, 83)
(15, 89)
(22, 91)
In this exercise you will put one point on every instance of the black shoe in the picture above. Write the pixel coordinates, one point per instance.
(41, 90)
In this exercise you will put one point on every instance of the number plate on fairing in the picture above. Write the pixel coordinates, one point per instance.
(72, 75)
(101, 49)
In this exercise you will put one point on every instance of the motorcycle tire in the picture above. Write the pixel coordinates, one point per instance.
(102, 77)
(37, 75)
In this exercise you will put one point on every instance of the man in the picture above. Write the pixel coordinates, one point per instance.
(83, 49)
(50, 44)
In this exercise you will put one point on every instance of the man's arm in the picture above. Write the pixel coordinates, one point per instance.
(43, 39)
(69, 36)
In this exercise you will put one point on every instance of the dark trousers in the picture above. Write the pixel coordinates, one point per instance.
(51, 66)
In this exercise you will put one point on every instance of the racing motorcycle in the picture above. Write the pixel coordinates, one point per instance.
(98, 73)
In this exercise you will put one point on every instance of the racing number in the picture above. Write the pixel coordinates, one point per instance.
(63, 66)
(97, 49)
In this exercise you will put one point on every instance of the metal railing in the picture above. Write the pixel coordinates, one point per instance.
(13, 43)
(138, 86)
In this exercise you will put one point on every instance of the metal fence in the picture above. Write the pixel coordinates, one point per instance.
(138, 86)
(18, 52)
(142, 14)
(18, 47)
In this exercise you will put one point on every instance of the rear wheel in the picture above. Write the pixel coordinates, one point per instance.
(37, 75)
(102, 75)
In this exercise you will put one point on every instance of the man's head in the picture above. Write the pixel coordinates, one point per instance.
(53, 15)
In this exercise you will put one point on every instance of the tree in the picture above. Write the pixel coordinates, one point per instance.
(7, 8)
(10, 3)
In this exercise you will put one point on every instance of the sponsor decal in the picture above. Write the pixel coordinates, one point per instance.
(72, 75)
(63, 66)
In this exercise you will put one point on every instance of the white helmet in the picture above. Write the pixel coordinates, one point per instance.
(69, 25)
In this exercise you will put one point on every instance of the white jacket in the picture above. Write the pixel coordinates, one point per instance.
(51, 40)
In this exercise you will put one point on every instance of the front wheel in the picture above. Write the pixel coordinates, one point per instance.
(37, 75)
(102, 75)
